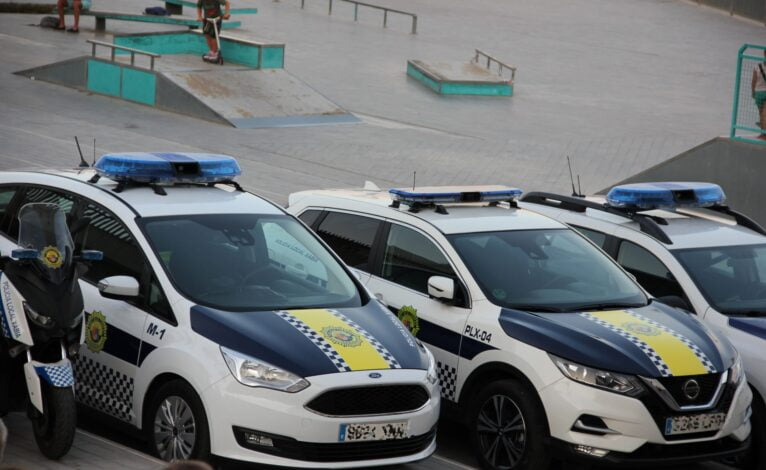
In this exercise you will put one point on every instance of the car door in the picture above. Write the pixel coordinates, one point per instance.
(108, 364)
(407, 258)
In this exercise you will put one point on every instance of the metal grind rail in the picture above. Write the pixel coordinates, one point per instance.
(132, 52)
(386, 11)
(501, 65)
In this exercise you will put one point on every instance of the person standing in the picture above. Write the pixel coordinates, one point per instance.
(212, 9)
(758, 88)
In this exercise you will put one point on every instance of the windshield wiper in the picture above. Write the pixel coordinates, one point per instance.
(535, 308)
(606, 306)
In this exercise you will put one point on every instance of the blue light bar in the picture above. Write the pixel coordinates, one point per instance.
(665, 195)
(454, 194)
(161, 167)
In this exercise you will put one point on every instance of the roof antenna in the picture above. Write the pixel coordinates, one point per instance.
(571, 178)
(83, 163)
(414, 174)
(579, 188)
(94, 151)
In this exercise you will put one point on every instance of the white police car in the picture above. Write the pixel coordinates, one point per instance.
(684, 245)
(546, 346)
(218, 324)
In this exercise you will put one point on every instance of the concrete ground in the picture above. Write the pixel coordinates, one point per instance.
(618, 85)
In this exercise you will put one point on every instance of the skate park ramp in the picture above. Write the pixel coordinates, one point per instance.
(738, 167)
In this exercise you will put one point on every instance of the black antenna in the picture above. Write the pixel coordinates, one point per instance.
(579, 188)
(571, 176)
(94, 151)
(83, 163)
(414, 174)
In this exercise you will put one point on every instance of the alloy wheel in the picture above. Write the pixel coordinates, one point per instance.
(175, 430)
(502, 432)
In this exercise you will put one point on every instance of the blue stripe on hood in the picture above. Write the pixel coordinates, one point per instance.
(753, 326)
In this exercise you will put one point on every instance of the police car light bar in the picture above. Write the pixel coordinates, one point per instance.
(665, 195)
(166, 168)
(453, 194)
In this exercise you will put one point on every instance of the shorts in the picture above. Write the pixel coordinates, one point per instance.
(84, 4)
(760, 98)
(208, 28)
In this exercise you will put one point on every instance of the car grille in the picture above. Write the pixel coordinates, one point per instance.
(360, 401)
(708, 386)
(342, 451)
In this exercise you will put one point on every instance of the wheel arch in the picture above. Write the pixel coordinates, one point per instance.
(155, 385)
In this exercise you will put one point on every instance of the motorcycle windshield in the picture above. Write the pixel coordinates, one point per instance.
(43, 227)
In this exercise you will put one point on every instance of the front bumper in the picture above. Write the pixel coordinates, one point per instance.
(305, 439)
(632, 427)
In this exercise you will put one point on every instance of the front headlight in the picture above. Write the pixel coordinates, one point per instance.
(38, 319)
(612, 381)
(431, 376)
(737, 371)
(256, 373)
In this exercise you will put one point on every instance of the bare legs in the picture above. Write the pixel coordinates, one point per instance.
(76, 6)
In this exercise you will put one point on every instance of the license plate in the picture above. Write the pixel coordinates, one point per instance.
(694, 423)
(373, 432)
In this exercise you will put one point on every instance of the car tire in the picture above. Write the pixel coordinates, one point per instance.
(508, 427)
(175, 423)
(755, 459)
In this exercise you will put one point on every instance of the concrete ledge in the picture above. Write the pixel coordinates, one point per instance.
(459, 79)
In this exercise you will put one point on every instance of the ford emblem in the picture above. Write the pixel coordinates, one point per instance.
(375, 375)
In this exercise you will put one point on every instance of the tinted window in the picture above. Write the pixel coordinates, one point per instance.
(35, 194)
(309, 217)
(596, 237)
(650, 272)
(732, 278)
(350, 236)
(242, 262)
(545, 270)
(411, 258)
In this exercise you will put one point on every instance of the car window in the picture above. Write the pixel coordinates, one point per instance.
(350, 236)
(122, 256)
(596, 237)
(411, 258)
(310, 216)
(650, 272)
(38, 194)
(6, 195)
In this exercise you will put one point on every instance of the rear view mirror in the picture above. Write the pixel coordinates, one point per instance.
(442, 288)
(118, 287)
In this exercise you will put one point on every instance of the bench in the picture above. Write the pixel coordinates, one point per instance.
(102, 16)
(176, 7)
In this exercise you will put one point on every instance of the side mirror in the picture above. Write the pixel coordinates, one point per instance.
(91, 255)
(118, 287)
(442, 288)
(25, 253)
(675, 301)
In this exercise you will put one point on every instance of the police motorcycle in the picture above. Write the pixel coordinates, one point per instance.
(41, 309)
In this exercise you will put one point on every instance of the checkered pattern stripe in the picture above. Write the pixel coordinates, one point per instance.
(318, 341)
(648, 350)
(382, 350)
(4, 323)
(58, 376)
(103, 388)
(447, 376)
(694, 348)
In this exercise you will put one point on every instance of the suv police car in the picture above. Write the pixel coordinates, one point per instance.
(546, 346)
(218, 324)
(683, 244)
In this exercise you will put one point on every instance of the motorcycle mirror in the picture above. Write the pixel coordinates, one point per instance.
(118, 287)
(25, 253)
(91, 255)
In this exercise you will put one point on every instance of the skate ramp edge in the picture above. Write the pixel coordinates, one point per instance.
(738, 167)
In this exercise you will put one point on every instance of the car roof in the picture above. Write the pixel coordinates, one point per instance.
(184, 199)
(686, 228)
(460, 217)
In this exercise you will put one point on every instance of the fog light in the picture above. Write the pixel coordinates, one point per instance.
(258, 439)
(592, 451)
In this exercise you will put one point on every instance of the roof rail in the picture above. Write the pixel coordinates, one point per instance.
(648, 224)
(739, 218)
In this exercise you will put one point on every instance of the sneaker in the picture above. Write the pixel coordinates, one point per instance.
(210, 56)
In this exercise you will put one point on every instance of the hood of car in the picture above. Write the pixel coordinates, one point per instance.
(651, 341)
(315, 341)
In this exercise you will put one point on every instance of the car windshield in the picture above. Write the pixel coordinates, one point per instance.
(732, 278)
(546, 270)
(242, 262)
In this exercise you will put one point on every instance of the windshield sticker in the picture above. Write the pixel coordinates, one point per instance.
(95, 331)
(670, 352)
(408, 315)
(345, 343)
(51, 257)
(499, 294)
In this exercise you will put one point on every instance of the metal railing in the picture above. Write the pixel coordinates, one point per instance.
(386, 11)
(747, 118)
(490, 60)
(132, 51)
